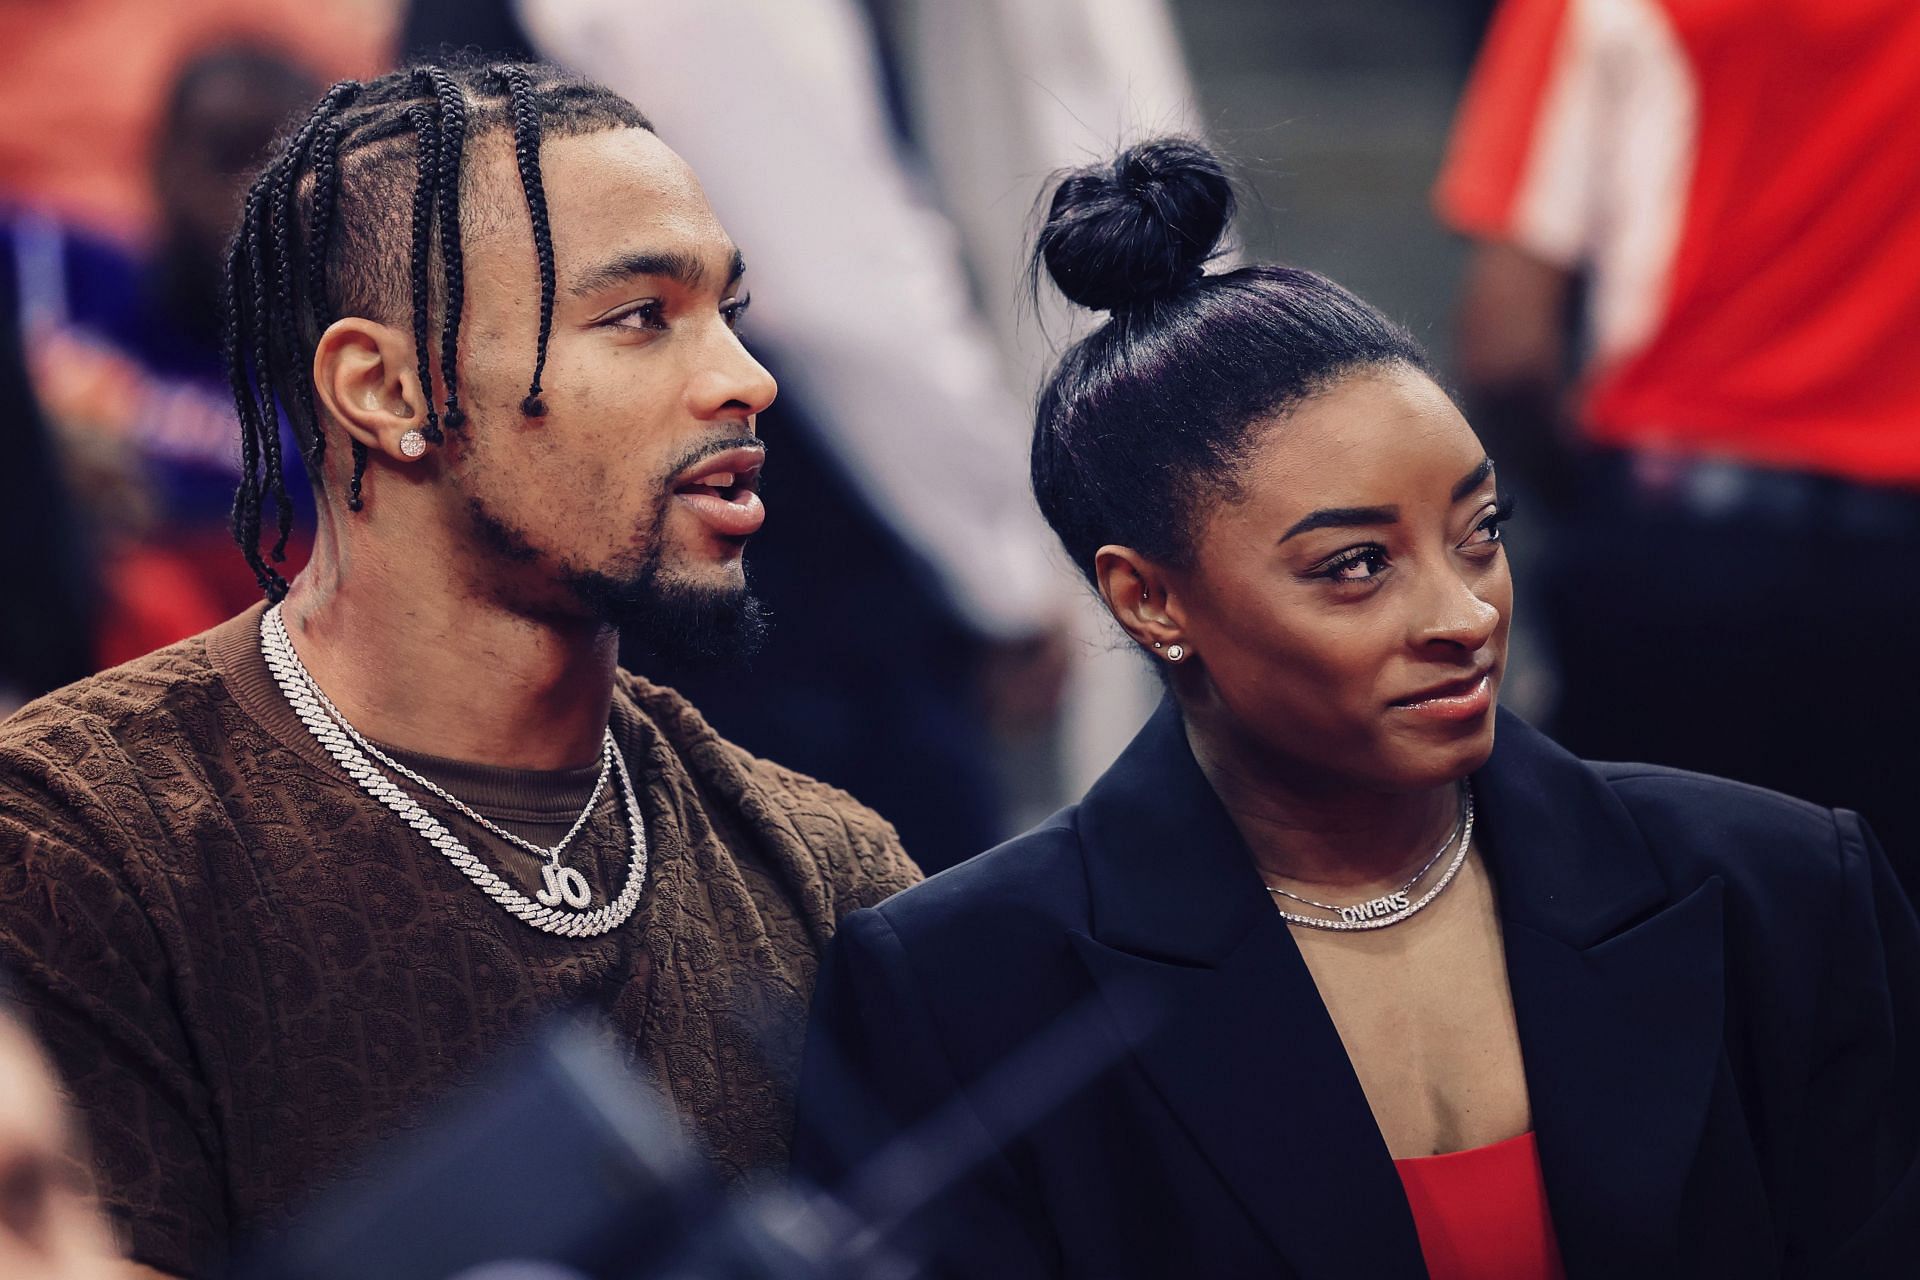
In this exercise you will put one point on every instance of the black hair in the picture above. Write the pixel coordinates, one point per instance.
(322, 236)
(1145, 420)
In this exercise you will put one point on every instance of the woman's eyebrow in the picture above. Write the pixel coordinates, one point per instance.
(1473, 479)
(1343, 518)
(1368, 517)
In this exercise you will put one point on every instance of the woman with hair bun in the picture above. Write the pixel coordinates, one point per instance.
(1340, 970)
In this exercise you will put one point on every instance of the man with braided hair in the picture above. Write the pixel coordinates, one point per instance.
(271, 890)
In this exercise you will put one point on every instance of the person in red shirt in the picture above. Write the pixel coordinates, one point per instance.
(1697, 236)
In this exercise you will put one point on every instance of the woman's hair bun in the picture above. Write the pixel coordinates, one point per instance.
(1138, 229)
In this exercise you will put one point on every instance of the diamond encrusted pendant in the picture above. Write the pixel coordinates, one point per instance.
(564, 884)
(1386, 905)
(1392, 908)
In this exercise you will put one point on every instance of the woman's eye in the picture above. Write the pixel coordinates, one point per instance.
(1489, 530)
(648, 315)
(1356, 566)
(734, 311)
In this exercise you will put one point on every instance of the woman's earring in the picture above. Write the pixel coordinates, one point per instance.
(413, 444)
(1175, 652)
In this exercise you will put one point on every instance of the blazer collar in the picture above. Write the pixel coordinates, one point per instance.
(1170, 877)
(1617, 988)
(1168, 873)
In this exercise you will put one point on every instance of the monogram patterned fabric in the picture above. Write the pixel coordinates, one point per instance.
(248, 971)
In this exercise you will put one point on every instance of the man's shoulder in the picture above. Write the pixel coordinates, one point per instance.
(690, 733)
(853, 842)
(117, 711)
(93, 779)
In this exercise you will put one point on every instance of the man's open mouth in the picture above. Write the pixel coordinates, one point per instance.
(724, 491)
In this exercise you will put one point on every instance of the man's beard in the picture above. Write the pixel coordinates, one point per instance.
(678, 624)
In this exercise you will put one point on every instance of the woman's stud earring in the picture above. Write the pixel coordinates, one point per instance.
(1175, 652)
(413, 444)
(1158, 645)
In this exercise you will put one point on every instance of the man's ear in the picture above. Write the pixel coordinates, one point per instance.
(368, 380)
(1140, 597)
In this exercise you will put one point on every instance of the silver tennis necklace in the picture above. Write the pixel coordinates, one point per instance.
(1391, 908)
(350, 749)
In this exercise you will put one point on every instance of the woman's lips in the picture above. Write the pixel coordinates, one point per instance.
(1464, 701)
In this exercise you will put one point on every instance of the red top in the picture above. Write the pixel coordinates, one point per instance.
(1740, 182)
(1482, 1214)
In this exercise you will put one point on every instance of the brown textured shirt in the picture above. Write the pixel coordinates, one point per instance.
(248, 970)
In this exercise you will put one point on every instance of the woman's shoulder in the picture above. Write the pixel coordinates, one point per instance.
(1032, 885)
(1707, 803)
(1760, 843)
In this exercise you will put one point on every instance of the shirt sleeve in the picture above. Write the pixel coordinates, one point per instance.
(92, 978)
(1527, 143)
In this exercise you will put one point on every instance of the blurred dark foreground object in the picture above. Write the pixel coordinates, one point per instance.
(560, 1164)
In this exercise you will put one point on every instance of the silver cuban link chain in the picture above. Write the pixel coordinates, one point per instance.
(1392, 908)
(563, 884)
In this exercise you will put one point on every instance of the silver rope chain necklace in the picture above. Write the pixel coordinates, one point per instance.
(1391, 908)
(563, 884)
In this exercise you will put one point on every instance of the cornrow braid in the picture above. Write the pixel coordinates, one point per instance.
(262, 250)
(284, 335)
(421, 117)
(275, 478)
(319, 236)
(241, 317)
(526, 151)
(453, 134)
(323, 160)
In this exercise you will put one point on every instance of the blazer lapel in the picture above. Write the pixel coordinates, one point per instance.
(1620, 997)
(1209, 991)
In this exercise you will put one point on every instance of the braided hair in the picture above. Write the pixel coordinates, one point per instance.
(321, 237)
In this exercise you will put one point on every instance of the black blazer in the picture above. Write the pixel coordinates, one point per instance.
(1095, 1051)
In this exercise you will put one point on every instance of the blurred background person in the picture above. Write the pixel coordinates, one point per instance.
(1687, 316)
(84, 83)
(50, 1227)
(46, 578)
(995, 96)
(128, 364)
(127, 133)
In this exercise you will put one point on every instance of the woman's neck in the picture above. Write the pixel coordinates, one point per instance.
(1309, 828)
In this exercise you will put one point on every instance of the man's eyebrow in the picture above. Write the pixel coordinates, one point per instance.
(680, 267)
(1473, 479)
(1343, 518)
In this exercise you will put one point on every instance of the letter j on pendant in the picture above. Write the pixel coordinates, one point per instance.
(564, 884)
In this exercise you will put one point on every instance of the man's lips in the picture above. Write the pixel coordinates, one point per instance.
(724, 491)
